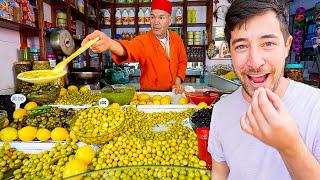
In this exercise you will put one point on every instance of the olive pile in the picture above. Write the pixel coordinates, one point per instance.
(98, 125)
(47, 165)
(10, 159)
(78, 98)
(202, 117)
(40, 89)
(47, 118)
(140, 145)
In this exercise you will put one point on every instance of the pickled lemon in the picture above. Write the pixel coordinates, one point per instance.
(156, 97)
(183, 100)
(8, 134)
(27, 133)
(84, 89)
(85, 153)
(72, 89)
(202, 105)
(43, 134)
(63, 92)
(19, 114)
(30, 105)
(143, 97)
(59, 134)
(74, 167)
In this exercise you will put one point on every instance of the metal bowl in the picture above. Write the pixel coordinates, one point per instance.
(86, 75)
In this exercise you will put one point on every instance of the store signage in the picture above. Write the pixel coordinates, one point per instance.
(18, 99)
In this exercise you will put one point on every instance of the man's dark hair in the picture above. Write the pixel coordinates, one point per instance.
(241, 11)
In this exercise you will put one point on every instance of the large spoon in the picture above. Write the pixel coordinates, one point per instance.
(46, 76)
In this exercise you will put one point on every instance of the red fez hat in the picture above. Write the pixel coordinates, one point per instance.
(164, 5)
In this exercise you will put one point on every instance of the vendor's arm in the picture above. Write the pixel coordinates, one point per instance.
(268, 120)
(220, 170)
(182, 66)
(105, 43)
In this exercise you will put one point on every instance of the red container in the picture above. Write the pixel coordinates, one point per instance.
(203, 136)
(207, 95)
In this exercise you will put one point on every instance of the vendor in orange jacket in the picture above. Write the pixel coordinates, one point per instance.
(160, 53)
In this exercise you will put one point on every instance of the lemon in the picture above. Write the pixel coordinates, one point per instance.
(157, 102)
(165, 101)
(135, 97)
(43, 134)
(72, 89)
(8, 134)
(143, 97)
(27, 133)
(202, 163)
(30, 105)
(84, 89)
(156, 97)
(6, 123)
(168, 97)
(202, 105)
(142, 102)
(115, 106)
(183, 100)
(63, 92)
(59, 134)
(74, 167)
(230, 75)
(19, 114)
(85, 153)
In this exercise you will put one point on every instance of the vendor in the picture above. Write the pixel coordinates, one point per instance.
(160, 52)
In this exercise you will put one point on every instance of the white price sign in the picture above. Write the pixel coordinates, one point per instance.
(103, 102)
(186, 123)
(18, 99)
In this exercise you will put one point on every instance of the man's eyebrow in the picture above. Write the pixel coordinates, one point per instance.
(238, 40)
(267, 36)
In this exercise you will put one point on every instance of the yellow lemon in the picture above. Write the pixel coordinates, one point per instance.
(143, 97)
(156, 97)
(202, 105)
(19, 114)
(85, 153)
(6, 123)
(142, 102)
(27, 133)
(157, 102)
(168, 97)
(183, 100)
(115, 106)
(8, 134)
(72, 89)
(59, 134)
(43, 134)
(230, 75)
(74, 167)
(30, 105)
(63, 92)
(165, 101)
(135, 97)
(84, 89)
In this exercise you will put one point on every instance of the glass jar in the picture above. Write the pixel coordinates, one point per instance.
(41, 65)
(35, 54)
(24, 53)
(3, 118)
(52, 60)
(294, 72)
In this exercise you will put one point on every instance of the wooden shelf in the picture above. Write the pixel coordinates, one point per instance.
(148, 4)
(126, 26)
(77, 14)
(56, 2)
(144, 25)
(197, 24)
(32, 31)
(219, 39)
(106, 26)
(107, 3)
(124, 5)
(177, 25)
(197, 3)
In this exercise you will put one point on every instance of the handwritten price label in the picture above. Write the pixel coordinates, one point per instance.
(103, 102)
(18, 99)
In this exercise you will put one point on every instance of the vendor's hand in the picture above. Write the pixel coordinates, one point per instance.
(178, 89)
(100, 46)
(268, 120)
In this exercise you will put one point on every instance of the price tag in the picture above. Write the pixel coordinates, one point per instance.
(18, 99)
(103, 102)
(186, 123)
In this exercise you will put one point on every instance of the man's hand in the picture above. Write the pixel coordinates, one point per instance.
(100, 46)
(268, 120)
(178, 87)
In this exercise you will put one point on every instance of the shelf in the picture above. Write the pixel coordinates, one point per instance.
(219, 39)
(108, 3)
(148, 4)
(197, 3)
(126, 26)
(197, 24)
(144, 25)
(77, 14)
(177, 25)
(105, 26)
(18, 27)
(93, 22)
(123, 5)
(56, 2)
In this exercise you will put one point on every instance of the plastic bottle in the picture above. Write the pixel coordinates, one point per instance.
(148, 16)
(141, 16)
(125, 17)
(179, 18)
(106, 17)
(131, 16)
(118, 17)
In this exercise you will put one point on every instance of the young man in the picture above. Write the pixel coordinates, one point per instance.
(161, 53)
(273, 131)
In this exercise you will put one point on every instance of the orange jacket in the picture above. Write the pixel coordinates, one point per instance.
(158, 73)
